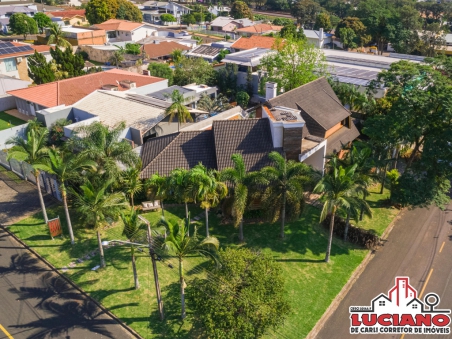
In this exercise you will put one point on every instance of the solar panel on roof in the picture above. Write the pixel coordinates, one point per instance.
(6, 44)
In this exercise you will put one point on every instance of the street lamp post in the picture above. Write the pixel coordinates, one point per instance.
(154, 268)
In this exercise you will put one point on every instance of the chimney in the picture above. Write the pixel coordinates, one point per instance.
(321, 34)
(270, 90)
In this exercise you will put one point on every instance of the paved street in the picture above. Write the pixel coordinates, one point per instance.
(419, 246)
(34, 301)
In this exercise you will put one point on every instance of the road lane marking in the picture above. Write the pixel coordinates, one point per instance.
(6, 332)
(426, 282)
(423, 288)
(442, 246)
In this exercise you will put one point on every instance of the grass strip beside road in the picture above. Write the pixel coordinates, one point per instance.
(311, 284)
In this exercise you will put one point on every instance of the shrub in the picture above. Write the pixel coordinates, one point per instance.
(242, 99)
(355, 234)
(167, 18)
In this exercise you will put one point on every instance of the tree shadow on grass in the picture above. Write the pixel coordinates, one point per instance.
(172, 326)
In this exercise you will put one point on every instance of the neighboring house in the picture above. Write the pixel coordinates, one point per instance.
(102, 53)
(76, 36)
(252, 42)
(9, 84)
(192, 93)
(152, 10)
(123, 30)
(247, 61)
(162, 50)
(320, 108)
(7, 11)
(70, 17)
(318, 38)
(182, 39)
(228, 24)
(217, 10)
(207, 52)
(258, 29)
(14, 56)
(360, 69)
(68, 91)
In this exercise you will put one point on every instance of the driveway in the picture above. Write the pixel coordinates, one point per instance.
(420, 247)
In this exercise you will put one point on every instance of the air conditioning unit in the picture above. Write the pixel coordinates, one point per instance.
(19, 59)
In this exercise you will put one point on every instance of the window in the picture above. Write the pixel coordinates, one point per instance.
(414, 306)
(381, 303)
(10, 65)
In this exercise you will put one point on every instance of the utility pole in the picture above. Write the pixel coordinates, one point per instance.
(154, 268)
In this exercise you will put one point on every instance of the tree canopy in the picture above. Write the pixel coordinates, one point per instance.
(22, 24)
(98, 11)
(294, 63)
(193, 70)
(160, 70)
(42, 21)
(243, 299)
(241, 10)
(39, 70)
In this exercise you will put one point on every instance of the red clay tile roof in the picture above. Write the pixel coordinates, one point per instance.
(38, 48)
(254, 41)
(163, 48)
(68, 13)
(69, 91)
(260, 28)
(118, 25)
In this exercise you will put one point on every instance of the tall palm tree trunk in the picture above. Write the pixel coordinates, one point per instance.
(383, 179)
(161, 206)
(241, 237)
(186, 210)
(283, 215)
(68, 217)
(207, 222)
(131, 200)
(41, 199)
(347, 224)
(330, 239)
(134, 269)
(101, 250)
(182, 288)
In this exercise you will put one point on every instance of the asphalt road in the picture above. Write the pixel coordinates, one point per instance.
(36, 302)
(419, 246)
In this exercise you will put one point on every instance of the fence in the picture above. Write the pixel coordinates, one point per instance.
(23, 170)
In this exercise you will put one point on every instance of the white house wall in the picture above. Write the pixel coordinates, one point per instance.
(142, 32)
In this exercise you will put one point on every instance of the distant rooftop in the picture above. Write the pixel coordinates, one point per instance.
(250, 57)
(164, 94)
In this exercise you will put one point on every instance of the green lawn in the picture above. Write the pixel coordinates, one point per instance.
(311, 283)
(10, 174)
(8, 121)
(382, 212)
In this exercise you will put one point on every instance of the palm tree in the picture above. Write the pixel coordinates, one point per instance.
(240, 181)
(131, 182)
(33, 151)
(66, 166)
(106, 147)
(178, 108)
(214, 106)
(340, 191)
(159, 188)
(179, 182)
(209, 189)
(182, 245)
(118, 56)
(96, 205)
(176, 55)
(132, 225)
(284, 181)
(57, 36)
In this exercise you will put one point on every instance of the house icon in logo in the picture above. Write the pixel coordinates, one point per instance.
(402, 293)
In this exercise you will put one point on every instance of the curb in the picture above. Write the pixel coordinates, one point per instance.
(347, 287)
(104, 310)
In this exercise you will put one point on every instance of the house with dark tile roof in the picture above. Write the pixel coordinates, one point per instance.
(320, 108)
(304, 124)
(213, 148)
